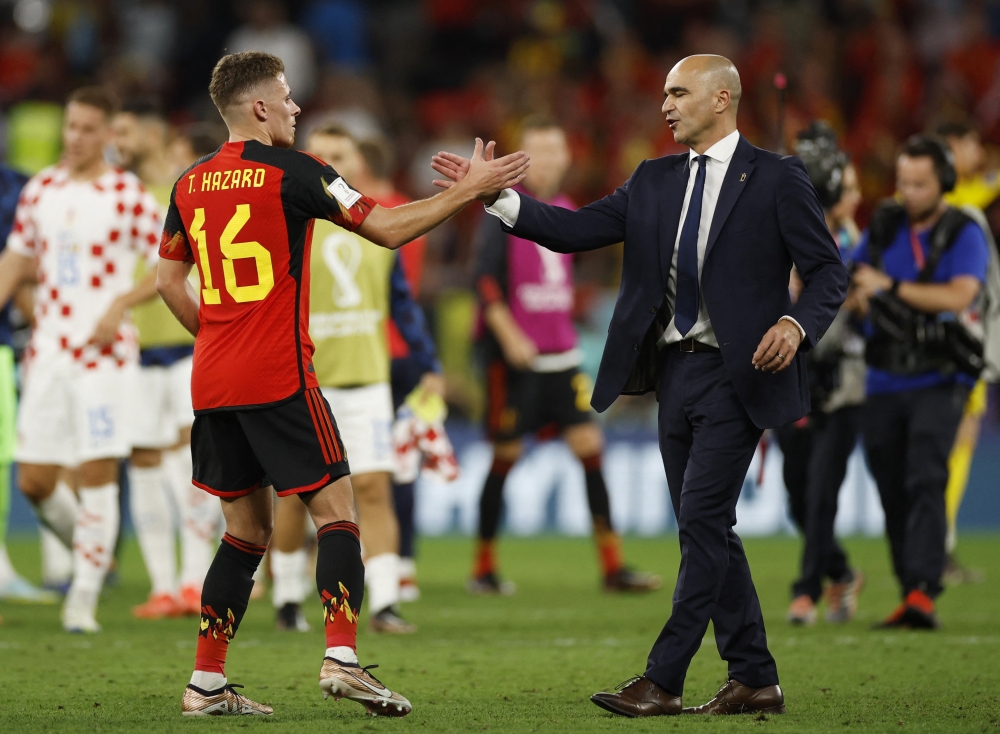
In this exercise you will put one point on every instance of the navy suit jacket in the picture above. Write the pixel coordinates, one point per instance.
(768, 217)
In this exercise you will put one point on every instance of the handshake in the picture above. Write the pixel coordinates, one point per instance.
(482, 176)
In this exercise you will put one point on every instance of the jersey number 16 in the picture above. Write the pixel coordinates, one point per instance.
(232, 251)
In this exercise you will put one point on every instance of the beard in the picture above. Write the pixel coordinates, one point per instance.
(922, 214)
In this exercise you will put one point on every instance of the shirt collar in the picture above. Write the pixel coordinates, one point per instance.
(722, 151)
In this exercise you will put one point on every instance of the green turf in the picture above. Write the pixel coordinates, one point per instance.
(525, 663)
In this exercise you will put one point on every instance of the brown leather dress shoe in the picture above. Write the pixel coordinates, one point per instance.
(639, 696)
(736, 698)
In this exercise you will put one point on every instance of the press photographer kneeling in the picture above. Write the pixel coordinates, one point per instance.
(919, 273)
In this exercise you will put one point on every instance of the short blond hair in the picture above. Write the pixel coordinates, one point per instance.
(236, 75)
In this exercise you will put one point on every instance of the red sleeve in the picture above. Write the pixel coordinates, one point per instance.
(319, 192)
(174, 244)
(350, 218)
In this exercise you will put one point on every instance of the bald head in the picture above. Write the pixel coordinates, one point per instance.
(701, 96)
(717, 73)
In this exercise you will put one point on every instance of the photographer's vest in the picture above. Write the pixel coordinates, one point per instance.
(907, 341)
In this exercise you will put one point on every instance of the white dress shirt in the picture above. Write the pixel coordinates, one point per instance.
(717, 163)
(508, 206)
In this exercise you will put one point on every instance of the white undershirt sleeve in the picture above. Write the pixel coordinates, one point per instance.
(802, 332)
(506, 207)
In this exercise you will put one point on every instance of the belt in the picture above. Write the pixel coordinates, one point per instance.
(690, 346)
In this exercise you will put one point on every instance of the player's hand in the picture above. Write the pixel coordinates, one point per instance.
(454, 167)
(106, 330)
(433, 383)
(777, 349)
(483, 174)
(518, 351)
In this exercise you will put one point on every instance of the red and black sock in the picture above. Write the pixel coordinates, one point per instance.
(491, 500)
(490, 507)
(607, 540)
(224, 599)
(340, 580)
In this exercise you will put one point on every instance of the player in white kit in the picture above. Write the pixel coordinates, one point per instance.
(160, 465)
(79, 230)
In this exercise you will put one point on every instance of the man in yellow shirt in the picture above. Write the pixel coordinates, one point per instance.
(355, 287)
(160, 465)
(979, 188)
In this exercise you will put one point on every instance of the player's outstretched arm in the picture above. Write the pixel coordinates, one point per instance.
(599, 224)
(177, 292)
(15, 269)
(485, 179)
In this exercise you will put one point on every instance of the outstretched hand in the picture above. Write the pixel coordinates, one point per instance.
(484, 174)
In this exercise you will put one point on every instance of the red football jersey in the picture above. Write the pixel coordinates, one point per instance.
(244, 216)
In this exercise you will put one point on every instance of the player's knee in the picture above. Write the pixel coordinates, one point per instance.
(35, 486)
(585, 440)
(99, 472)
(507, 451)
(373, 489)
(146, 458)
(266, 530)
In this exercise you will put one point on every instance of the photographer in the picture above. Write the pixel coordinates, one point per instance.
(920, 270)
(817, 447)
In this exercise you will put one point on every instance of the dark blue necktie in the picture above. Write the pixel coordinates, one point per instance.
(687, 299)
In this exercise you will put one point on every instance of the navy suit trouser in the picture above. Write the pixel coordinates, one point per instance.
(707, 441)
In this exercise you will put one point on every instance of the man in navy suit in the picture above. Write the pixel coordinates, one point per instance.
(704, 318)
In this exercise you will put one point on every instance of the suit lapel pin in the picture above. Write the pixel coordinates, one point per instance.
(743, 177)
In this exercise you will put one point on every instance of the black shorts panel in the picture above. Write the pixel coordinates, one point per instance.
(522, 402)
(294, 446)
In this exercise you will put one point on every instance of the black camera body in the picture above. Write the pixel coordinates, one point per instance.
(908, 341)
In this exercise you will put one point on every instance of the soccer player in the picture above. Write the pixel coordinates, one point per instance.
(407, 370)
(80, 228)
(162, 415)
(355, 286)
(245, 215)
(13, 586)
(534, 382)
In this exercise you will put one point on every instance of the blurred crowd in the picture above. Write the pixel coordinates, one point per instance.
(432, 74)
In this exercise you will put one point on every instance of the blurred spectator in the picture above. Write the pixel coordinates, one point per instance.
(34, 136)
(194, 141)
(431, 73)
(267, 29)
(976, 186)
(339, 28)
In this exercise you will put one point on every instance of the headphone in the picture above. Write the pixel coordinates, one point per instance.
(824, 161)
(939, 152)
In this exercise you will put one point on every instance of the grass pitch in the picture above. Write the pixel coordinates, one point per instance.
(524, 663)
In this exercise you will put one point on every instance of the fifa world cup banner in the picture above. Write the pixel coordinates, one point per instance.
(545, 492)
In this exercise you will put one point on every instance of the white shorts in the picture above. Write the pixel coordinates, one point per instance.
(161, 405)
(69, 414)
(364, 416)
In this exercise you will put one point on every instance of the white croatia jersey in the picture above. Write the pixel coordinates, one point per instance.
(86, 239)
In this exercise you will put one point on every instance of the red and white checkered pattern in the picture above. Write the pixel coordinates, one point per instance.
(86, 239)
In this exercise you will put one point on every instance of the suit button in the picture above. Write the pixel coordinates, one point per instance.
(635, 347)
(653, 309)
